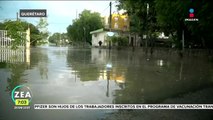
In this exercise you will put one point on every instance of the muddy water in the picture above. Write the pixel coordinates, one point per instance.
(80, 76)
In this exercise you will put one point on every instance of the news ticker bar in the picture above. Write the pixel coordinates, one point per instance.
(123, 106)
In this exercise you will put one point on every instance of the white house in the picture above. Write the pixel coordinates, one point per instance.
(99, 35)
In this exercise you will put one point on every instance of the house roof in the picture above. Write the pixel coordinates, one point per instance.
(97, 31)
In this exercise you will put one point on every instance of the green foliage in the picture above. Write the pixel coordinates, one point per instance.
(64, 36)
(43, 35)
(123, 41)
(34, 34)
(55, 38)
(141, 20)
(3, 64)
(58, 38)
(169, 17)
(2, 26)
(16, 31)
(80, 29)
(113, 39)
(17, 71)
(119, 40)
(172, 19)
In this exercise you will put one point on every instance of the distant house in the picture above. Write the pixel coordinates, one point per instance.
(120, 26)
(99, 35)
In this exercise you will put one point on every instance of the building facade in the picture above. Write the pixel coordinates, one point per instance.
(120, 26)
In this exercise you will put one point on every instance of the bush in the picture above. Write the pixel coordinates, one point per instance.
(119, 40)
(122, 41)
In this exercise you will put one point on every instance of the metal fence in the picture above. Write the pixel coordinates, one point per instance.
(6, 53)
(6, 41)
(12, 56)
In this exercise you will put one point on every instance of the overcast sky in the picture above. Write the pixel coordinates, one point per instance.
(60, 13)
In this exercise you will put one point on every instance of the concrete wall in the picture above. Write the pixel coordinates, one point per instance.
(28, 38)
(102, 36)
(99, 56)
(136, 40)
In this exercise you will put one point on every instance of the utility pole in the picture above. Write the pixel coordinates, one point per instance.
(76, 14)
(17, 16)
(147, 10)
(110, 21)
(183, 44)
(110, 16)
(84, 36)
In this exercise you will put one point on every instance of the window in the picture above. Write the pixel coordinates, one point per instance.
(95, 34)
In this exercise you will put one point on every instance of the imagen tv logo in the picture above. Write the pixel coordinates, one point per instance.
(191, 15)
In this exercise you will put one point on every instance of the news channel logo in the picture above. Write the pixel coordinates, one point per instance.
(191, 15)
(21, 96)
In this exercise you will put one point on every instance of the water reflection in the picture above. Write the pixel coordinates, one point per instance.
(96, 65)
(148, 79)
(160, 63)
(85, 68)
(37, 55)
(43, 70)
(108, 78)
(16, 75)
(39, 59)
(28, 56)
(172, 76)
(14, 63)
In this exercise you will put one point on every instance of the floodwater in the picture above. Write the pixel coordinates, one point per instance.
(62, 75)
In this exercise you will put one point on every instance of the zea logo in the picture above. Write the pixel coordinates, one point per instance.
(22, 96)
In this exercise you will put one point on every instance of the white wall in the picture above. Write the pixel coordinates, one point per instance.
(99, 56)
(101, 36)
(136, 39)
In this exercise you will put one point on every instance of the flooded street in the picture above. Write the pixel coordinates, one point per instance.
(62, 75)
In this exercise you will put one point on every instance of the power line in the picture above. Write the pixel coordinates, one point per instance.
(105, 9)
(9, 19)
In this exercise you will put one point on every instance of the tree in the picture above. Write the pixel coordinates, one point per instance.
(196, 33)
(16, 30)
(169, 17)
(64, 36)
(142, 15)
(58, 38)
(34, 35)
(42, 27)
(55, 38)
(80, 30)
(2, 26)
